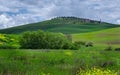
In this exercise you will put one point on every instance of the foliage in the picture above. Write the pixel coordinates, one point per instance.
(8, 46)
(44, 40)
(109, 48)
(89, 44)
(96, 71)
(8, 41)
(78, 44)
(117, 49)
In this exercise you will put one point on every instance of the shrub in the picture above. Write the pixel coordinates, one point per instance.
(8, 46)
(69, 36)
(117, 49)
(8, 41)
(89, 44)
(78, 44)
(44, 40)
(109, 48)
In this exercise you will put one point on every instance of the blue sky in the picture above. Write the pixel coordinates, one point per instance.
(19, 12)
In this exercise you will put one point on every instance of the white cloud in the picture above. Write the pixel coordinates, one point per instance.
(19, 12)
(118, 21)
(6, 21)
(20, 19)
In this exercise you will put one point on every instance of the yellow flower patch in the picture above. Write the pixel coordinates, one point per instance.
(96, 71)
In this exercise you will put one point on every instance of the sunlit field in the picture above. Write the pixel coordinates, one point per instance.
(58, 62)
(101, 38)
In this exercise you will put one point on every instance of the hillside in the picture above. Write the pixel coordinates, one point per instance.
(103, 37)
(62, 24)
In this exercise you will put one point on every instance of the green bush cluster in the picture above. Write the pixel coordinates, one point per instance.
(44, 40)
(8, 41)
(78, 44)
(110, 48)
(117, 49)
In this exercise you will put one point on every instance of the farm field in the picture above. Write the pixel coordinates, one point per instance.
(57, 62)
(102, 38)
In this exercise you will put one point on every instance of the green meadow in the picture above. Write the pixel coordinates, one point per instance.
(103, 37)
(56, 62)
(101, 58)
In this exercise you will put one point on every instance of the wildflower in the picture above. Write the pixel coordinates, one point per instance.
(96, 71)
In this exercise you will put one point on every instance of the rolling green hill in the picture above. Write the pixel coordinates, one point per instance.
(62, 24)
(103, 37)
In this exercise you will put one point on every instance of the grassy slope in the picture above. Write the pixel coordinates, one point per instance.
(67, 25)
(109, 36)
(61, 62)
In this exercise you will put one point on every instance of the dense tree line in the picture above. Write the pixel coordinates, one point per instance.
(75, 20)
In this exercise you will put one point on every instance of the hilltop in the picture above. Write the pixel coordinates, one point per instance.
(68, 25)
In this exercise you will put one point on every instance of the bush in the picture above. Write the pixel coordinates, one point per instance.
(117, 49)
(69, 36)
(89, 44)
(8, 41)
(7, 46)
(109, 48)
(44, 40)
(78, 44)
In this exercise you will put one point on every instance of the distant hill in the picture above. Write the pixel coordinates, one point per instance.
(103, 37)
(68, 25)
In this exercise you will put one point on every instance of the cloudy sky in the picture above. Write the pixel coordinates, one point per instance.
(19, 12)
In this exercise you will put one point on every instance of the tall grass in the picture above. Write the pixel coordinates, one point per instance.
(60, 62)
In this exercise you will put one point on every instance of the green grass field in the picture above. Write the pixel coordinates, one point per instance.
(103, 37)
(56, 62)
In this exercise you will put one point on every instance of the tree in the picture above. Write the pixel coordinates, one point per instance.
(44, 40)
